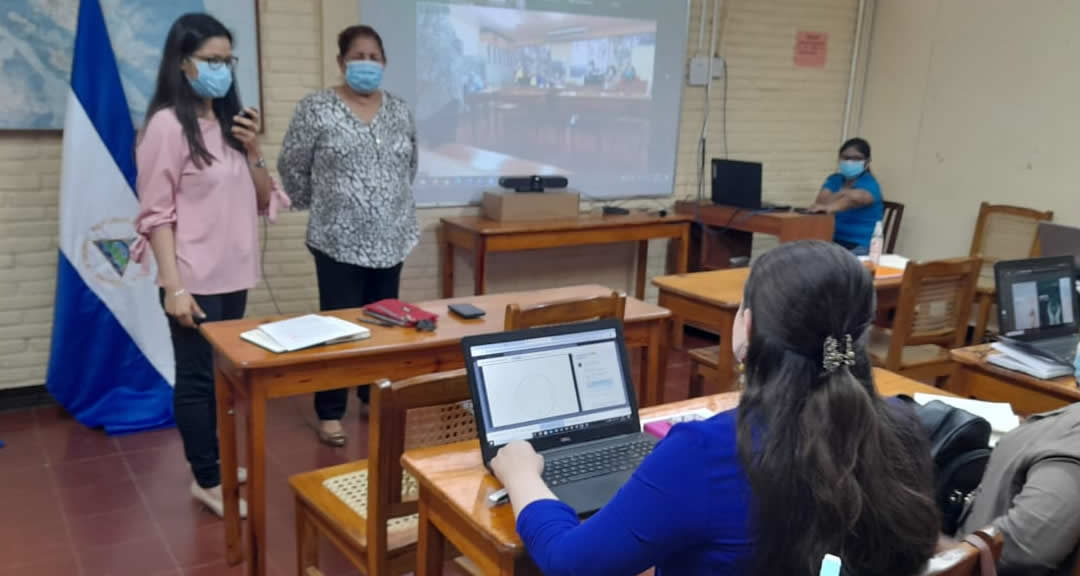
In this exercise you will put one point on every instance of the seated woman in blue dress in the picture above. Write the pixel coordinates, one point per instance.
(854, 196)
(812, 462)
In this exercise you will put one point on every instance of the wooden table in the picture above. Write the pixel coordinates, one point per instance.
(709, 301)
(256, 375)
(481, 236)
(739, 225)
(977, 378)
(454, 486)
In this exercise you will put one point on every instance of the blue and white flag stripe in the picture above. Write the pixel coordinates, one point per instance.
(111, 363)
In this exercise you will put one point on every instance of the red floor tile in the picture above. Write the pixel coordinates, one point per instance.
(197, 547)
(58, 562)
(164, 461)
(220, 568)
(139, 558)
(63, 443)
(148, 440)
(22, 449)
(111, 529)
(13, 420)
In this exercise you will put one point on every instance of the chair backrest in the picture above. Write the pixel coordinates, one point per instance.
(415, 413)
(894, 213)
(935, 305)
(565, 312)
(1005, 232)
(962, 558)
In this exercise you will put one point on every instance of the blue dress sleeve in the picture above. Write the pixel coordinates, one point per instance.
(833, 183)
(664, 508)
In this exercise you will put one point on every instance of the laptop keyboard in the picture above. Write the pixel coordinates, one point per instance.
(588, 464)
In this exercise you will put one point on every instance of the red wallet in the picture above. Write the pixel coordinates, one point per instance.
(397, 312)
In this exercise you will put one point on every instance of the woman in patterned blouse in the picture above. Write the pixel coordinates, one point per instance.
(350, 156)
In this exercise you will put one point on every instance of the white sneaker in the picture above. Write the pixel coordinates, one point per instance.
(212, 499)
(241, 475)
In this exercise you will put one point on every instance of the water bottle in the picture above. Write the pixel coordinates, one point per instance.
(877, 244)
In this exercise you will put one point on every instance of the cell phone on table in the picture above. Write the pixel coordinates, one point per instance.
(466, 311)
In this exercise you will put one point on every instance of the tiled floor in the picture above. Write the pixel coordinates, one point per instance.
(77, 502)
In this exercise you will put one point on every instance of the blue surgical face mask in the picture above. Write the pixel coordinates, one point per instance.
(852, 168)
(212, 82)
(364, 76)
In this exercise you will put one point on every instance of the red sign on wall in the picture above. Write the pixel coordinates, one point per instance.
(810, 49)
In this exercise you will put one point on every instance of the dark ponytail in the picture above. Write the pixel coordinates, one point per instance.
(832, 468)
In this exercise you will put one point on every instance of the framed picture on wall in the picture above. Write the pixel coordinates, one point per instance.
(37, 38)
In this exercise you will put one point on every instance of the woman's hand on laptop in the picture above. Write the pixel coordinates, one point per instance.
(519, 467)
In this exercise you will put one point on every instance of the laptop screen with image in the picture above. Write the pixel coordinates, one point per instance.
(1036, 297)
(550, 385)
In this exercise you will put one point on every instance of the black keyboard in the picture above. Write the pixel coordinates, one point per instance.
(590, 463)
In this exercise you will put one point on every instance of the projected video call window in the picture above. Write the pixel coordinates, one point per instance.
(589, 89)
(1042, 303)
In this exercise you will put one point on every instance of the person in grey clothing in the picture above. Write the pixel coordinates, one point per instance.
(1031, 493)
(350, 156)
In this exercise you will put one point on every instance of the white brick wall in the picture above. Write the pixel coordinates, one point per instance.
(788, 118)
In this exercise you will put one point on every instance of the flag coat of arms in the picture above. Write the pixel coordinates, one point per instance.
(111, 359)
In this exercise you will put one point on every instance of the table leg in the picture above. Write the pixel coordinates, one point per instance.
(682, 257)
(430, 543)
(307, 541)
(226, 420)
(982, 317)
(655, 365)
(479, 262)
(642, 268)
(257, 480)
(725, 364)
(448, 269)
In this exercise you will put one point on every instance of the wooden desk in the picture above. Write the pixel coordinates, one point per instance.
(977, 378)
(454, 486)
(739, 225)
(709, 301)
(481, 236)
(256, 375)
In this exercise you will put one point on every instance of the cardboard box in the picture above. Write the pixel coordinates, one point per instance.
(551, 205)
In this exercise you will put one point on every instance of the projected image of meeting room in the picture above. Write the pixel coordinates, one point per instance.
(556, 91)
(587, 90)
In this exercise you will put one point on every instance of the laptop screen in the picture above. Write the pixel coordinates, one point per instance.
(1036, 297)
(539, 385)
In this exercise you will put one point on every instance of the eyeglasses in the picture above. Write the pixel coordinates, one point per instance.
(217, 63)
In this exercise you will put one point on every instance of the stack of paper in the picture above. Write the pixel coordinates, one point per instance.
(1000, 415)
(660, 425)
(1012, 358)
(304, 332)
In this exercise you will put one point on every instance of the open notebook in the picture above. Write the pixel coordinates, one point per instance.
(304, 332)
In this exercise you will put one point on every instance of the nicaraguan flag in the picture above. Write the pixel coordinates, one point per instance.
(111, 363)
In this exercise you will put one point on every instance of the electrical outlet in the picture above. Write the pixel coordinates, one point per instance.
(699, 71)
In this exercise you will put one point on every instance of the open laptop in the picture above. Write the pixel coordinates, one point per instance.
(1037, 306)
(1058, 240)
(567, 390)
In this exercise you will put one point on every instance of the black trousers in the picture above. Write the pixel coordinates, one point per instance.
(193, 397)
(348, 286)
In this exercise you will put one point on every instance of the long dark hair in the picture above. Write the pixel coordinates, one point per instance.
(186, 36)
(857, 143)
(832, 468)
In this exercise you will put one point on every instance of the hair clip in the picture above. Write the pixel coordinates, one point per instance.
(834, 358)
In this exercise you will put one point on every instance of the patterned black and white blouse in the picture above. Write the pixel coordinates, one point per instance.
(355, 177)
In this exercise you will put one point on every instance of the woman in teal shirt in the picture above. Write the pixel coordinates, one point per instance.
(854, 196)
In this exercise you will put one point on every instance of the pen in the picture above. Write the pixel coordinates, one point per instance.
(498, 497)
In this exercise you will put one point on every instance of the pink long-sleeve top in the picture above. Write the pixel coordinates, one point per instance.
(212, 209)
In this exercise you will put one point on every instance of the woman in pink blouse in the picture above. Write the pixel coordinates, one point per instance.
(201, 183)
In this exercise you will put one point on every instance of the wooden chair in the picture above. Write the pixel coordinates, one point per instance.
(894, 213)
(705, 378)
(368, 508)
(1002, 232)
(931, 318)
(565, 312)
(963, 558)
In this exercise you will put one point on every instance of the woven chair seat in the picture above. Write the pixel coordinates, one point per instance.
(352, 490)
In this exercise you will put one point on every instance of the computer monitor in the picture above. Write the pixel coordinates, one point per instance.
(1059, 240)
(736, 183)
